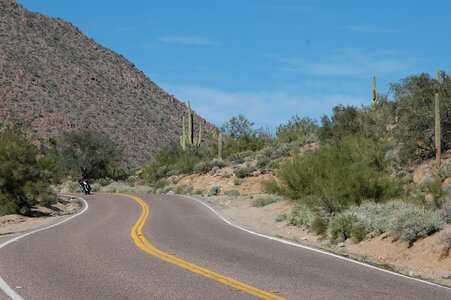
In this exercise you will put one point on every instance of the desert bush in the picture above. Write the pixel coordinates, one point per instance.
(199, 192)
(304, 130)
(319, 224)
(232, 193)
(240, 156)
(162, 183)
(95, 187)
(260, 202)
(207, 166)
(262, 161)
(337, 176)
(445, 212)
(281, 218)
(183, 189)
(214, 191)
(341, 226)
(167, 189)
(104, 181)
(444, 171)
(243, 172)
(299, 216)
(173, 160)
(25, 174)
(405, 220)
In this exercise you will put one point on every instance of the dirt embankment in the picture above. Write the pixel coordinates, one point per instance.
(38, 217)
(427, 258)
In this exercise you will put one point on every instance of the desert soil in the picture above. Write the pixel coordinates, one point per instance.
(39, 217)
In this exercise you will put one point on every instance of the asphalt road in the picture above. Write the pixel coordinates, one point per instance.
(94, 256)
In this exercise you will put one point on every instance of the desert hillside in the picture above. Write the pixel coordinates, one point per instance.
(53, 78)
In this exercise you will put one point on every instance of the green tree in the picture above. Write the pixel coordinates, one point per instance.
(88, 154)
(297, 129)
(241, 136)
(25, 174)
(414, 111)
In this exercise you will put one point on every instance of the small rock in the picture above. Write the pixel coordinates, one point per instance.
(303, 238)
(446, 275)
(341, 245)
(411, 273)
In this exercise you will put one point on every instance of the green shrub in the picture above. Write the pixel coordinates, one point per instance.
(338, 175)
(95, 187)
(239, 157)
(304, 130)
(173, 160)
(161, 184)
(299, 216)
(243, 172)
(359, 231)
(199, 192)
(202, 168)
(214, 191)
(184, 189)
(260, 202)
(407, 220)
(25, 174)
(104, 181)
(445, 212)
(341, 227)
(232, 193)
(281, 218)
(319, 224)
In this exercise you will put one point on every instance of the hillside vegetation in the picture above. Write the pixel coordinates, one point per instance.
(55, 79)
(355, 179)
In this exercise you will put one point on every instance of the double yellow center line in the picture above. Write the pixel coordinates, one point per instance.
(142, 243)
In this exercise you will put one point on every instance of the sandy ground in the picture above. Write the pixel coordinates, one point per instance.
(425, 259)
(13, 224)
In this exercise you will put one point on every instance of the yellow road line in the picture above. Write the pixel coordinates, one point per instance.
(144, 244)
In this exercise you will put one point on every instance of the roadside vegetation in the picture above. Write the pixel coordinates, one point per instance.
(356, 178)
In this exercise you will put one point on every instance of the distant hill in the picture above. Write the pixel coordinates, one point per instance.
(53, 78)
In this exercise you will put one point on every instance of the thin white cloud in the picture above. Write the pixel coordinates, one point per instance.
(346, 62)
(186, 40)
(262, 107)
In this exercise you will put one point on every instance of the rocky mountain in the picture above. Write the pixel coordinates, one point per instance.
(53, 79)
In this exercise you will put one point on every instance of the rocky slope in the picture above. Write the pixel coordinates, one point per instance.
(53, 79)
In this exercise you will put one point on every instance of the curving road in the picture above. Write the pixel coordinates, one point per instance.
(181, 250)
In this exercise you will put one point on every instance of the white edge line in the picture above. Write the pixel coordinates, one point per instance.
(314, 249)
(3, 285)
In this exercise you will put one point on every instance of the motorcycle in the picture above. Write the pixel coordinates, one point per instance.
(85, 187)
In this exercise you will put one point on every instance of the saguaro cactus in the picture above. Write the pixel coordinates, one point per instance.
(183, 137)
(220, 145)
(374, 93)
(438, 133)
(190, 125)
(199, 139)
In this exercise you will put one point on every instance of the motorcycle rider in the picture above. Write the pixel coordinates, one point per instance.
(84, 186)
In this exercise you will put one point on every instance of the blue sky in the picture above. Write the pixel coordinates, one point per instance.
(268, 60)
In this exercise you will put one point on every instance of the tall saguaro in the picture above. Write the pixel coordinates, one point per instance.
(438, 133)
(190, 126)
(374, 93)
